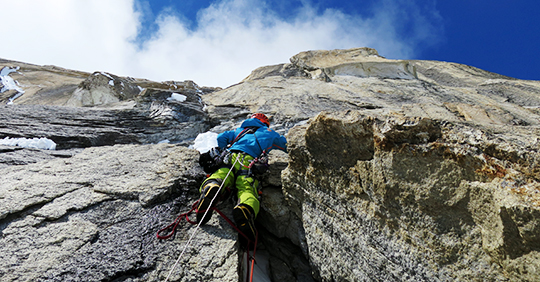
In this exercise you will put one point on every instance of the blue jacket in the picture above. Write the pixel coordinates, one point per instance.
(253, 144)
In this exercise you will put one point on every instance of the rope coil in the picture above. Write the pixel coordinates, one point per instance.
(250, 259)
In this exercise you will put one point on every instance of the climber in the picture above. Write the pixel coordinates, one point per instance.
(243, 146)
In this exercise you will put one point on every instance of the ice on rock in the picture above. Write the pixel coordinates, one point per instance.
(35, 143)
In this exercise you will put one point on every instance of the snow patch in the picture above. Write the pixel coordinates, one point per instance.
(493, 81)
(107, 75)
(177, 97)
(10, 101)
(205, 141)
(199, 91)
(140, 89)
(35, 143)
(9, 83)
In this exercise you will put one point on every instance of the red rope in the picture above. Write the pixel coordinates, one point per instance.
(185, 215)
(253, 257)
(174, 225)
(249, 242)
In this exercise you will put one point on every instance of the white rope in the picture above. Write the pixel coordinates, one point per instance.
(199, 224)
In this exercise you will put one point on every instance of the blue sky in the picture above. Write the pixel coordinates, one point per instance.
(218, 43)
(498, 36)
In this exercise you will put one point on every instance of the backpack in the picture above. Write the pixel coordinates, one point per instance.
(211, 160)
(216, 158)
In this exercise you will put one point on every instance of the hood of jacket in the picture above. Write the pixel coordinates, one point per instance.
(252, 122)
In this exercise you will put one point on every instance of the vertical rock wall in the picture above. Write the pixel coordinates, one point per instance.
(412, 199)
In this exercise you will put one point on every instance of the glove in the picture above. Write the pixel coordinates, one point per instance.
(215, 152)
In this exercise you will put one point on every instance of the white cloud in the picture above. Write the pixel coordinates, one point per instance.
(232, 37)
(84, 35)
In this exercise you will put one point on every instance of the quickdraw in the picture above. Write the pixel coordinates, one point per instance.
(185, 215)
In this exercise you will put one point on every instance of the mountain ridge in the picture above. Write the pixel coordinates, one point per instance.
(398, 170)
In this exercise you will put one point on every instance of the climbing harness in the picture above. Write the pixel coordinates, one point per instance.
(259, 165)
(174, 225)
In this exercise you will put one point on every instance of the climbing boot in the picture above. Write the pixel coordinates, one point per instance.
(244, 217)
(208, 193)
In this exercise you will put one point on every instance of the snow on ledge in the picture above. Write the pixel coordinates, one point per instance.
(34, 143)
(177, 97)
(205, 141)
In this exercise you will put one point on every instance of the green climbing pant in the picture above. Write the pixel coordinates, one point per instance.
(246, 185)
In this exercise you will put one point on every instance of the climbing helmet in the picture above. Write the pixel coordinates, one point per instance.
(262, 117)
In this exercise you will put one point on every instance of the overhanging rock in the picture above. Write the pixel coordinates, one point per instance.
(433, 203)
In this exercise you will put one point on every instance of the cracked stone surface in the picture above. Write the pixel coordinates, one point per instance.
(94, 216)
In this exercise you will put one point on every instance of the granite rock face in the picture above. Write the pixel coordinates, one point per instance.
(94, 216)
(397, 170)
(422, 200)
